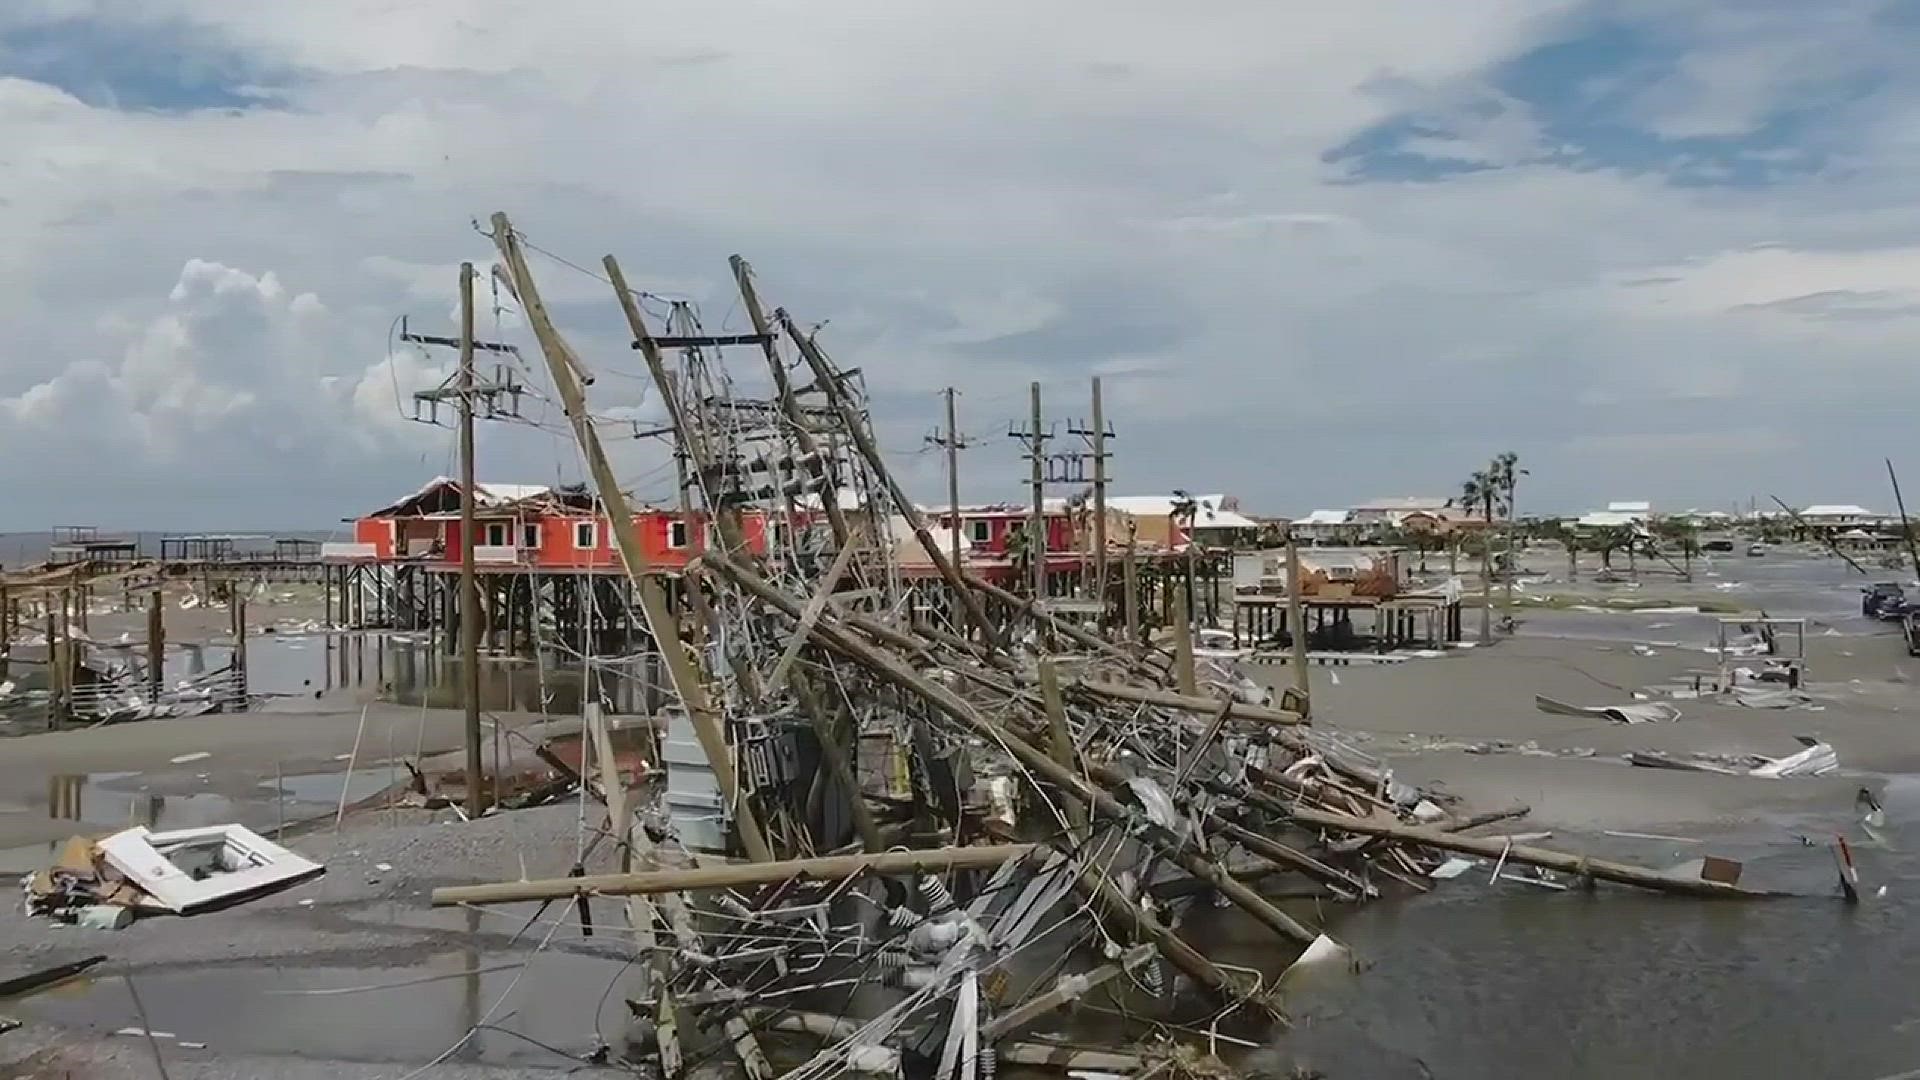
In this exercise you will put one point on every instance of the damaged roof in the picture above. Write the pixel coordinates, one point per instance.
(442, 494)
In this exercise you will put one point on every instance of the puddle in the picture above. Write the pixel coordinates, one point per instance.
(315, 1012)
(323, 789)
(113, 800)
(25, 860)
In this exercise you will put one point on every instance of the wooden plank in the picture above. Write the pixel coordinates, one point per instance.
(736, 875)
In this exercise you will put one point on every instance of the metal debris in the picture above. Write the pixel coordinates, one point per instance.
(886, 767)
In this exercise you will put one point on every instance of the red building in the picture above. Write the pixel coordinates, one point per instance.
(989, 529)
(532, 528)
(525, 527)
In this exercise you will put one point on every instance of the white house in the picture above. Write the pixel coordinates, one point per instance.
(1838, 516)
(1320, 526)
(1391, 511)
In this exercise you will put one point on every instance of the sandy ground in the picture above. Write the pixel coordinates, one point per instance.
(244, 751)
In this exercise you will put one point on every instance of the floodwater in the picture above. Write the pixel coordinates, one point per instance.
(373, 1013)
(113, 800)
(1510, 980)
(411, 669)
(1479, 980)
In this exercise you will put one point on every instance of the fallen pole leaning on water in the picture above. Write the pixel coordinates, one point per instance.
(735, 876)
(1579, 865)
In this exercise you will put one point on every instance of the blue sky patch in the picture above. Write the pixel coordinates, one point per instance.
(166, 67)
(1586, 96)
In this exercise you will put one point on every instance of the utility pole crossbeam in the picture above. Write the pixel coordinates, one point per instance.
(498, 397)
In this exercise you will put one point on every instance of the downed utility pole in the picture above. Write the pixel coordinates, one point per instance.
(736, 876)
(1495, 848)
(562, 365)
(1098, 800)
(829, 382)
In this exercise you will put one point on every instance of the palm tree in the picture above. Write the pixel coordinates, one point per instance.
(1505, 473)
(1482, 490)
(1184, 512)
(1567, 538)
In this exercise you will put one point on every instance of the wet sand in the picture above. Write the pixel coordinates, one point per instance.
(244, 751)
(1423, 716)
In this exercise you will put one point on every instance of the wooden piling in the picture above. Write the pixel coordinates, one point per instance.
(1058, 739)
(1298, 637)
(1130, 572)
(1183, 648)
(156, 644)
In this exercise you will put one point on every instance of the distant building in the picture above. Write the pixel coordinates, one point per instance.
(1838, 516)
(1618, 515)
(1216, 520)
(1390, 512)
(1442, 522)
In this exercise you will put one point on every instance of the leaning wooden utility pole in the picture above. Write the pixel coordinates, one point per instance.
(562, 364)
(783, 388)
(828, 380)
(1906, 527)
(469, 582)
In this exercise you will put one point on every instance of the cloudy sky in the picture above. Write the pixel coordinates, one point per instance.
(1319, 252)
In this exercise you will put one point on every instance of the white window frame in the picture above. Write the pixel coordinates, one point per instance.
(592, 534)
(677, 534)
(979, 530)
(259, 865)
(530, 534)
(491, 534)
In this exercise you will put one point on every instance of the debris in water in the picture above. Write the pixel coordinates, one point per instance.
(1641, 712)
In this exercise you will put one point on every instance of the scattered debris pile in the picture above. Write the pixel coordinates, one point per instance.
(104, 884)
(911, 815)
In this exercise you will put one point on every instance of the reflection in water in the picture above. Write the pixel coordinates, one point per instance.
(406, 669)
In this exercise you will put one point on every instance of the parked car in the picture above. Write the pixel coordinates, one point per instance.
(1884, 600)
(1911, 624)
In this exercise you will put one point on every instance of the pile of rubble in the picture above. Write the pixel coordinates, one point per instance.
(1053, 811)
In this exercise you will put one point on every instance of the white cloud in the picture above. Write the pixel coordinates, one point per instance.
(1120, 188)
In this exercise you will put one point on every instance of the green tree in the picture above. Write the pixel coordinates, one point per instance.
(1485, 491)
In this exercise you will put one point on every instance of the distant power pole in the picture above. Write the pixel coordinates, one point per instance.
(1037, 550)
(953, 442)
(499, 397)
(1096, 436)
